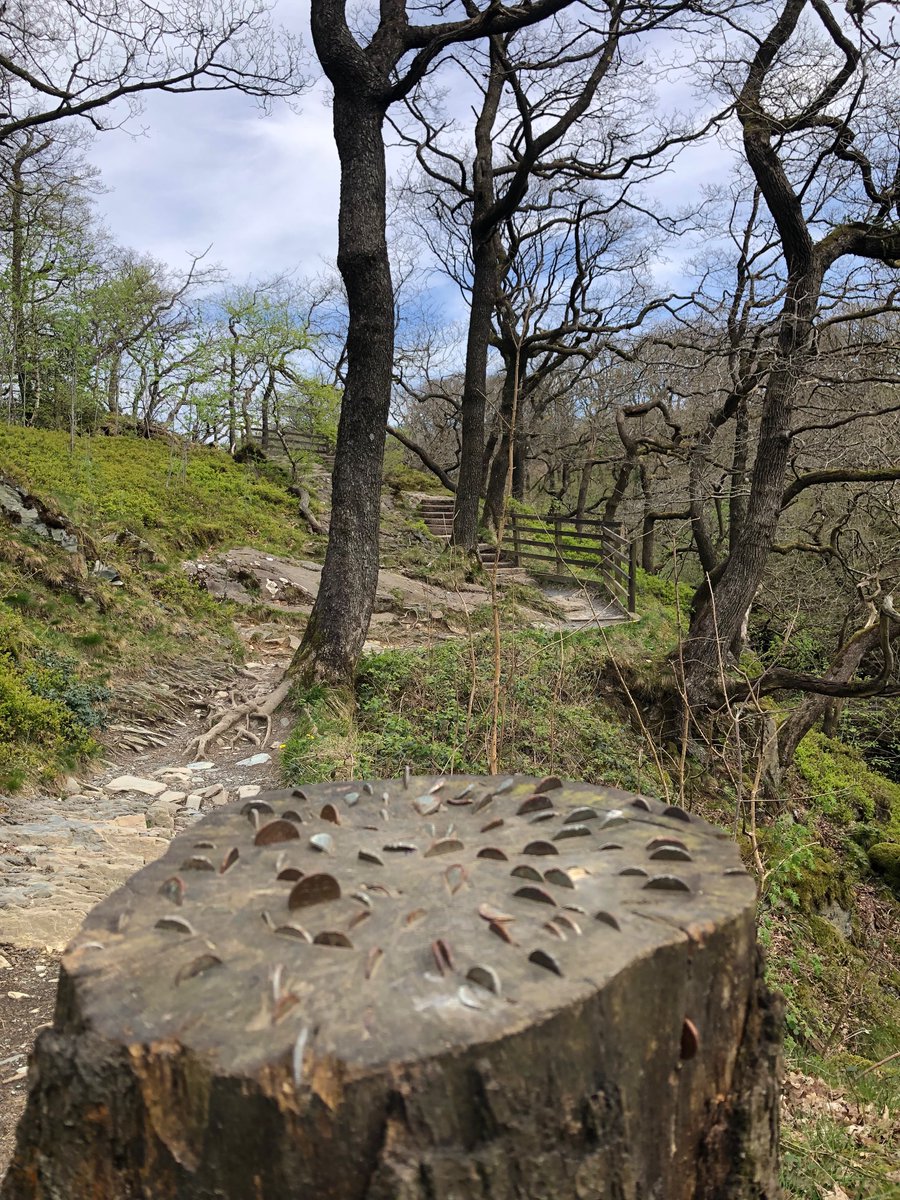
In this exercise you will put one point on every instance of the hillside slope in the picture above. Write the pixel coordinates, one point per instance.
(106, 599)
(572, 703)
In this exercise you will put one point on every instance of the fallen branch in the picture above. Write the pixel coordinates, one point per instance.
(881, 1063)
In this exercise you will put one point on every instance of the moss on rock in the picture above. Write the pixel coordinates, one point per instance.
(885, 860)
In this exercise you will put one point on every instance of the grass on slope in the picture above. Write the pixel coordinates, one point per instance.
(65, 632)
(178, 498)
(561, 705)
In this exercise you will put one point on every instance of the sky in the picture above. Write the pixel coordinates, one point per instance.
(260, 192)
(211, 171)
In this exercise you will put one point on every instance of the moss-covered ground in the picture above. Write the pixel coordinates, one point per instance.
(65, 632)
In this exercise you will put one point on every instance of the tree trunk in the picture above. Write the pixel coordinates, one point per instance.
(520, 458)
(113, 383)
(495, 494)
(340, 617)
(716, 625)
(620, 486)
(584, 488)
(648, 524)
(485, 283)
(266, 406)
(474, 397)
(438, 1039)
(16, 189)
(737, 503)
(232, 394)
(831, 718)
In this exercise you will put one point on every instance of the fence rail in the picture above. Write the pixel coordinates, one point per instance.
(294, 440)
(588, 550)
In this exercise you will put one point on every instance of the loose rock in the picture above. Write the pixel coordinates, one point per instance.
(130, 821)
(255, 760)
(136, 783)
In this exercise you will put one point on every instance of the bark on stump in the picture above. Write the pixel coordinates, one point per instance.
(457, 988)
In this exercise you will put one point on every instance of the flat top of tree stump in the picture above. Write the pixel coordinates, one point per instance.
(392, 921)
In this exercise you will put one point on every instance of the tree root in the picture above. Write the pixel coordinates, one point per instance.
(262, 709)
(305, 511)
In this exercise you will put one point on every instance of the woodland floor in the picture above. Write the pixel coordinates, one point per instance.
(60, 854)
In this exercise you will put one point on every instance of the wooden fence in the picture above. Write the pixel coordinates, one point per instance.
(585, 551)
(295, 441)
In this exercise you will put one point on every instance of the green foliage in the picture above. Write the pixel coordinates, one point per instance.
(841, 982)
(49, 708)
(46, 716)
(824, 977)
(427, 710)
(177, 498)
(885, 859)
(53, 617)
(798, 866)
(55, 677)
(14, 637)
(799, 642)
(841, 784)
(322, 743)
(671, 594)
(400, 476)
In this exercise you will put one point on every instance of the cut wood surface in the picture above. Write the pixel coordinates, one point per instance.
(460, 987)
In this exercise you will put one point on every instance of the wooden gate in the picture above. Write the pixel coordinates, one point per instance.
(575, 551)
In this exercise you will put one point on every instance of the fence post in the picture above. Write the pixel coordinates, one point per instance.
(557, 548)
(632, 575)
(515, 532)
(604, 558)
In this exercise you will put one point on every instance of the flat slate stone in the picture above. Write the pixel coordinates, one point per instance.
(136, 783)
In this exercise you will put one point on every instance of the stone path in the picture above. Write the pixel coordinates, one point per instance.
(402, 604)
(62, 853)
(584, 607)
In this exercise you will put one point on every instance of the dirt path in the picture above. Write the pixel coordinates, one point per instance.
(61, 854)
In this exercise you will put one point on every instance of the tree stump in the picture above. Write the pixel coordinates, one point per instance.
(431, 989)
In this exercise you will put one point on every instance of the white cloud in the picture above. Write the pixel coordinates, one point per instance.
(262, 189)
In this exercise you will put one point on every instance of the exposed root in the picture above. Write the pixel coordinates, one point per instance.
(303, 497)
(262, 709)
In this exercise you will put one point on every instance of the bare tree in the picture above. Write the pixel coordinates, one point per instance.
(803, 136)
(369, 72)
(574, 285)
(60, 60)
(565, 114)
